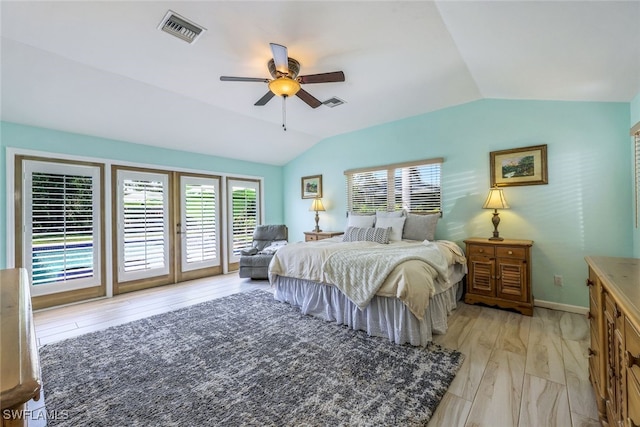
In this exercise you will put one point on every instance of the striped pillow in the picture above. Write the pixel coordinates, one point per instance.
(357, 234)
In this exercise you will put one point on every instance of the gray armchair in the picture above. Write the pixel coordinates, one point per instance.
(254, 261)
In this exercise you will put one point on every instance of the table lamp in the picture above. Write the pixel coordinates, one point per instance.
(495, 201)
(317, 206)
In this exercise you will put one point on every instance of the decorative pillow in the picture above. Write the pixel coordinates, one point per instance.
(389, 214)
(370, 234)
(420, 227)
(361, 221)
(396, 224)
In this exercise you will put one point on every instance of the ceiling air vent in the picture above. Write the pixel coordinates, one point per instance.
(181, 27)
(333, 102)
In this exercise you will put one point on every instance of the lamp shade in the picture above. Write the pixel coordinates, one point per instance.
(284, 86)
(495, 200)
(316, 205)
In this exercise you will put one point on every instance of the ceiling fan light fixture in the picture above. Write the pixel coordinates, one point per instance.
(284, 86)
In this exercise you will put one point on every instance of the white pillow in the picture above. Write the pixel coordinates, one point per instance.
(396, 224)
(389, 214)
(361, 221)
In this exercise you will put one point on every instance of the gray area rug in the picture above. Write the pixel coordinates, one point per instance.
(247, 360)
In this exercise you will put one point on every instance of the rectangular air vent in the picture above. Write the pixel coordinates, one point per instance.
(181, 27)
(333, 102)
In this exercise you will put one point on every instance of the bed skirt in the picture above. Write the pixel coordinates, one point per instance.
(383, 317)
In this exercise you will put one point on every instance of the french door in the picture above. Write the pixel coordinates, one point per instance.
(168, 227)
(144, 235)
(198, 252)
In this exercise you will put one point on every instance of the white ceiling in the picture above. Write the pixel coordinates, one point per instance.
(104, 69)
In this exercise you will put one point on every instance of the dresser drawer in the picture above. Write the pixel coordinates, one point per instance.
(633, 401)
(507, 252)
(614, 312)
(480, 250)
(632, 341)
(594, 359)
(310, 237)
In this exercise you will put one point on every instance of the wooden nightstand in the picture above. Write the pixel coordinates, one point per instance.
(500, 273)
(310, 236)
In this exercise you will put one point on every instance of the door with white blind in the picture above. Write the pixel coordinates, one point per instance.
(61, 239)
(198, 252)
(243, 201)
(144, 237)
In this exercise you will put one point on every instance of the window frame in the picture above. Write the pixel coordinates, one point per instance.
(76, 290)
(392, 191)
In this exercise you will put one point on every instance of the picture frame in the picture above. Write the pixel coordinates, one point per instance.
(311, 187)
(519, 166)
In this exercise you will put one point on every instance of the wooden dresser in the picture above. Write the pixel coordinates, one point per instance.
(500, 273)
(614, 354)
(19, 360)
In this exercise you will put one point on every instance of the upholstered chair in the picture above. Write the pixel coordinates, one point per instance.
(254, 261)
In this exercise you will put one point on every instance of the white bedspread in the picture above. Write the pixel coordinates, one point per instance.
(413, 281)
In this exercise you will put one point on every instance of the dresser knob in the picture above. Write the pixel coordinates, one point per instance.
(481, 250)
(632, 360)
(510, 252)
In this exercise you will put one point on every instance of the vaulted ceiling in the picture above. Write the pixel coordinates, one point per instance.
(104, 68)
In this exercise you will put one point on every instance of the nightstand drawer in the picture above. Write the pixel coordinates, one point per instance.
(507, 252)
(480, 250)
(312, 236)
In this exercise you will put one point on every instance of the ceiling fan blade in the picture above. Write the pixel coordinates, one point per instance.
(311, 100)
(266, 98)
(336, 76)
(280, 57)
(243, 79)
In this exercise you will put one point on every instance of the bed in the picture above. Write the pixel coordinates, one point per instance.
(403, 290)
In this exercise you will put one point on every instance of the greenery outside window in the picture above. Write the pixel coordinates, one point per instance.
(411, 186)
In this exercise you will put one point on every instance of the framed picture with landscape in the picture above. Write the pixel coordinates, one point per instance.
(312, 187)
(519, 166)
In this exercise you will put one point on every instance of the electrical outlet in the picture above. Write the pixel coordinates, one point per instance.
(557, 280)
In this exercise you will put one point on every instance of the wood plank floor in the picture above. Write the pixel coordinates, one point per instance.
(519, 371)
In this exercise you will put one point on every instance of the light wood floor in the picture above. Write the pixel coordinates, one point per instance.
(519, 371)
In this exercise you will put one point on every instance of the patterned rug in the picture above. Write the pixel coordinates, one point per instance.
(245, 359)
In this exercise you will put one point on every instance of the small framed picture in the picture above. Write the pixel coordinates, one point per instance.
(312, 187)
(519, 166)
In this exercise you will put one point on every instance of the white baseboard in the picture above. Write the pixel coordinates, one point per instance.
(561, 307)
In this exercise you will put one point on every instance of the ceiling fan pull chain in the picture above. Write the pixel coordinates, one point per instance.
(284, 113)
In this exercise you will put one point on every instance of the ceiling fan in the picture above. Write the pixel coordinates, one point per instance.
(286, 81)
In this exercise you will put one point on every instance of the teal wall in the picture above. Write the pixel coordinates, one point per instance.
(584, 210)
(46, 140)
(635, 118)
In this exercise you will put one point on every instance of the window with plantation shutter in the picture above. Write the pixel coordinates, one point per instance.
(199, 222)
(414, 187)
(62, 248)
(143, 228)
(244, 214)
